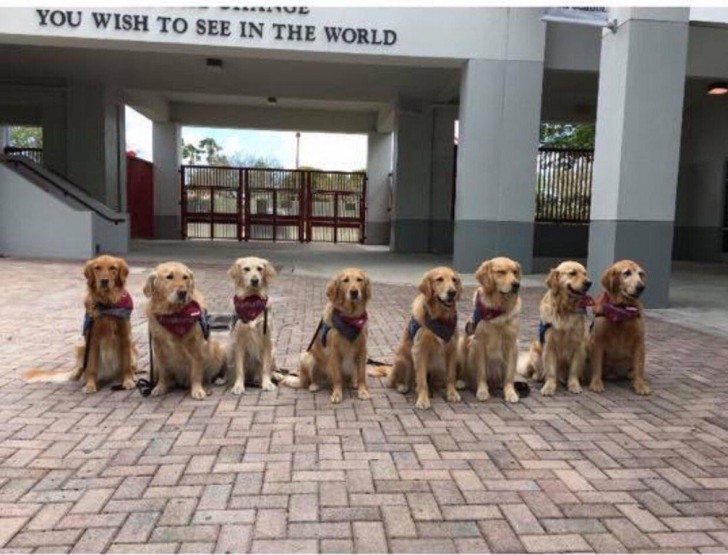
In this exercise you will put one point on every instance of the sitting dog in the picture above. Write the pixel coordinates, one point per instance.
(617, 338)
(109, 353)
(488, 351)
(184, 355)
(338, 349)
(250, 354)
(428, 348)
(560, 353)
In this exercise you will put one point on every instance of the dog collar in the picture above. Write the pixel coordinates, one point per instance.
(482, 312)
(348, 326)
(121, 310)
(180, 323)
(616, 313)
(249, 308)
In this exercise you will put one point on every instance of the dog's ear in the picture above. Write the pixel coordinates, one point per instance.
(332, 288)
(150, 284)
(518, 270)
(192, 282)
(458, 287)
(425, 286)
(367, 288)
(234, 272)
(269, 272)
(610, 280)
(88, 272)
(123, 273)
(552, 281)
(484, 275)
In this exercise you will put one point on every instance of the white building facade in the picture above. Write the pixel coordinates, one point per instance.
(404, 76)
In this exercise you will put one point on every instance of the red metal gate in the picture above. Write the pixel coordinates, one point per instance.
(272, 204)
(140, 197)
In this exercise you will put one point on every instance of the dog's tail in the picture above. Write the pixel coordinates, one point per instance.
(529, 363)
(379, 371)
(48, 376)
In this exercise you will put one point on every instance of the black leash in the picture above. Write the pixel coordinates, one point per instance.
(87, 338)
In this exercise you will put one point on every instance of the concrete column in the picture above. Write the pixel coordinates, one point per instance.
(412, 166)
(500, 109)
(167, 152)
(379, 168)
(639, 114)
(4, 136)
(93, 142)
(443, 162)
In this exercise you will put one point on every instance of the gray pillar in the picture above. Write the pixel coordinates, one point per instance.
(639, 114)
(412, 163)
(443, 162)
(379, 168)
(167, 152)
(4, 136)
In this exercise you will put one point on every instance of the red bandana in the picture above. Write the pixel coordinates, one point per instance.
(122, 309)
(181, 322)
(482, 312)
(586, 301)
(615, 313)
(348, 326)
(249, 308)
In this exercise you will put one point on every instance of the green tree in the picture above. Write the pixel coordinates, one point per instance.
(26, 137)
(567, 135)
(242, 160)
(208, 150)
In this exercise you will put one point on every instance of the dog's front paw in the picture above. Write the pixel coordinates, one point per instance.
(423, 402)
(641, 387)
(453, 396)
(90, 387)
(128, 383)
(158, 390)
(574, 386)
(220, 380)
(549, 388)
(336, 397)
(363, 393)
(510, 395)
(596, 385)
(198, 393)
(268, 386)
(238, 388)
(482, 394)
(460, 384)
(403, 388)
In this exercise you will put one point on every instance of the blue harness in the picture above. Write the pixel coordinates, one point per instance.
(444, 329)
(543, 327)
(349, 329)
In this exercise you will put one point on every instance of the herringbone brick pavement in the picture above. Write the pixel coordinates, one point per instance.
(288, 472)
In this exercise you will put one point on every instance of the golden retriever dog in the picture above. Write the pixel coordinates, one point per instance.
(184, 355)
(338, 349)
(250, 354)
(617, 338)
(428, 348)
(109, 353)
(560, 353)
(488, 352)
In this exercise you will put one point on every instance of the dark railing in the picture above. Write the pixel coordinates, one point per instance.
(35, 154)
(564, 183)
(220, 202)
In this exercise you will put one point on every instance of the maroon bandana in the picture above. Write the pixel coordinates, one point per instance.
(586, 301)
(482, 312)
(615, 313)
(181, 322)
(348, 326)
(249, 308)
(122, 309)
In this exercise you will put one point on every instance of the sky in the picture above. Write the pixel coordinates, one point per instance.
(326, 151)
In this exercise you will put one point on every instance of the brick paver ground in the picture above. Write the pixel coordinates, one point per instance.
(288, 472)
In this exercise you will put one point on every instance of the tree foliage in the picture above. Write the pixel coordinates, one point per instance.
(567, 135)
(26, 137)
(207, 151)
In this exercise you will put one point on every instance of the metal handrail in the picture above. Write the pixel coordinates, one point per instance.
(24, 163)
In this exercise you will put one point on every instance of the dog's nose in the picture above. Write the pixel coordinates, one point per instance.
(451, 294)
(516, 286)
(354, 293)
(104, 283)
(587, 285)
(255, 282)
(182, 295)
(640, 287)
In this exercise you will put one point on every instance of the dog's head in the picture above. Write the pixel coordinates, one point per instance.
(499, 275)
(624, 279)
(105, 274)
(171, 282)
(252, 275)
(443, 285)
(349, 289)
(569, 277)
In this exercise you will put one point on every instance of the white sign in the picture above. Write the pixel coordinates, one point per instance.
(593, 16)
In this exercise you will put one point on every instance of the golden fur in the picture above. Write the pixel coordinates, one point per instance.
(250, 353)
(491, 353)
(348, 292)
(426, 355)
(187, 361)
(563, 355)
(112, 354)
(618, 349)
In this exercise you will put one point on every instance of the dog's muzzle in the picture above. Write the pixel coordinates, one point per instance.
(104, 283)
(354, 294)
(182, 296)
(255, 282)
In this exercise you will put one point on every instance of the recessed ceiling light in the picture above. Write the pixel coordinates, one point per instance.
(214, 64)
(272, 100)
(717, 89)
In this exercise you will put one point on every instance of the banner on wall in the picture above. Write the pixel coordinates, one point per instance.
(593, 16)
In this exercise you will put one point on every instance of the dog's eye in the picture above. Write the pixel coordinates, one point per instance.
(572, 273)
(185, 278)
(346, 280)
(246, 269)
(454, 280)
(441, 279)
(628, 273)
(642, 274)
(259, 269)
(113, 268)
(170, 276)
(501, 272)
(97, 268)
(359, 280)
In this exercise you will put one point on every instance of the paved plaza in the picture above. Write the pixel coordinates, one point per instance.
(286, 471)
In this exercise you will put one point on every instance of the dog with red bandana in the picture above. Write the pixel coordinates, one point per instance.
(250, 353)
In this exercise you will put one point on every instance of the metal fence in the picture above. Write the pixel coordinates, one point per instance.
(272, 204)
(35, 154)
(564, 183)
